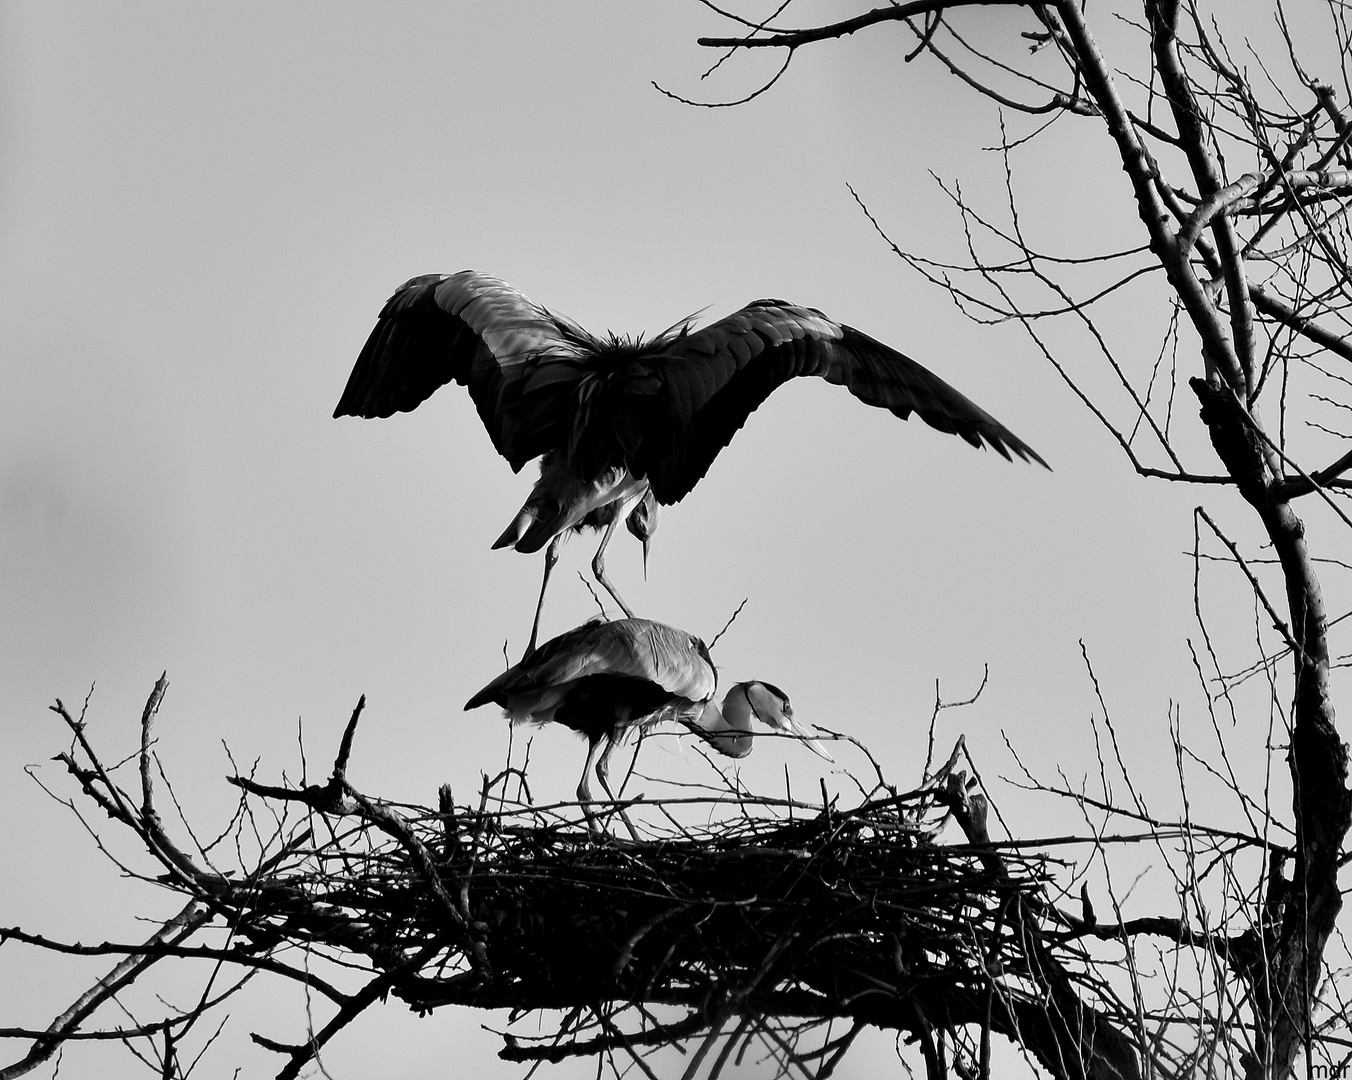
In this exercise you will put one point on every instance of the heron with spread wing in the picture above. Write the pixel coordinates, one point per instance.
(621, 425)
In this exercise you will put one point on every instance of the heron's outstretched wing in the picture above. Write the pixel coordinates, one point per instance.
(689, 396)
(637, 648)
(519, 361)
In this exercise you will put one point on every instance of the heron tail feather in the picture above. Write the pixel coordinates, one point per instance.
(535, 524)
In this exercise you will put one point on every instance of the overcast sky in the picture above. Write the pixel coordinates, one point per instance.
(202, 210)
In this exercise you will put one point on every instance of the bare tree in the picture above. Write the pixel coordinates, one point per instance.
(1238, 161)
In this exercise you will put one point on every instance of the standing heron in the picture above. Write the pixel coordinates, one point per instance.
(604, 679)
(623, 424)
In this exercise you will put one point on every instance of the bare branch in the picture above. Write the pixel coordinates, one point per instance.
(900, 12)
(174, 931)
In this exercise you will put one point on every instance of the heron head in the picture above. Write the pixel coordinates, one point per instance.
(728, 728)
(642, 523)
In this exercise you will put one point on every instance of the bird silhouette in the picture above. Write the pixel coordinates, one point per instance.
(623, 424)
(604, 679)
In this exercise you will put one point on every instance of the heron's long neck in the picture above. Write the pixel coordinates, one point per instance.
(727, 727)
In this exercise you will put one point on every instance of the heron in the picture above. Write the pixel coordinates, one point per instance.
(604, 679)
(623, 424)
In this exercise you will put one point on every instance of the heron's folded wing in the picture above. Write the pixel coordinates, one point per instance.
(691, 396)
(539, 668)
(637, 648)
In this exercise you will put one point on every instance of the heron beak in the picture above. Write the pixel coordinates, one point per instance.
(646, 542)
(806, 736)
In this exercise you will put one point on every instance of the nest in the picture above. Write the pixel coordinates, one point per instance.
(773, 913)
(832, 914)
(782, 918)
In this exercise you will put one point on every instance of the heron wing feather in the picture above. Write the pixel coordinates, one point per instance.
(638, 648)
(519, 361)
(714, 378)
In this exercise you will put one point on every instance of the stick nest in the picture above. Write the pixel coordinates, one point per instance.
(780, 916)
(811, 915)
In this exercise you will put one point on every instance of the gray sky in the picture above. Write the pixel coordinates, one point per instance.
(202, 210)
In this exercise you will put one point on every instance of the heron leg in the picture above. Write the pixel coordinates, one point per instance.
(551, 557)
(603, 774)
(584, 795)
(599, 567)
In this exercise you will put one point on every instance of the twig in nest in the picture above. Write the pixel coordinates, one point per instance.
(600, 607)
(730, 621)
(328, 798)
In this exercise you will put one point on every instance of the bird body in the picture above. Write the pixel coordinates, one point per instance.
(604, 679)
(607, 676)
(621, 422)
(561, 500)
